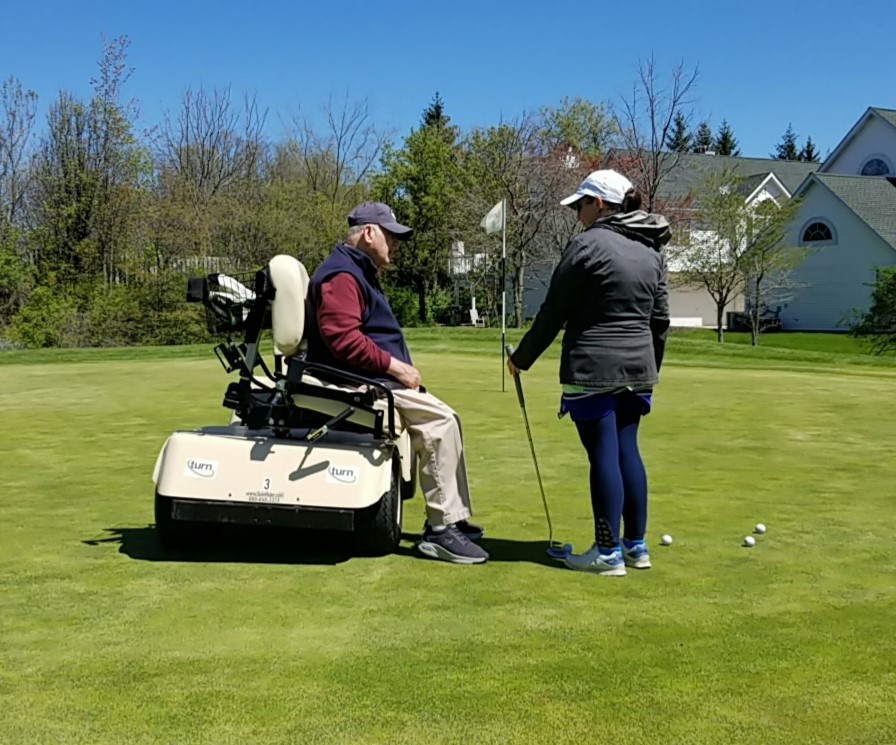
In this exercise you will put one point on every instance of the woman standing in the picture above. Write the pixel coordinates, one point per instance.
(610, 290)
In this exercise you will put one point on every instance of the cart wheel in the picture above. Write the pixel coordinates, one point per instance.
(172, 534)
(378, 527)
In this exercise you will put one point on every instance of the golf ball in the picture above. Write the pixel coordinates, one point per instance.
(749, 541)
(760, 528)
(667, 540)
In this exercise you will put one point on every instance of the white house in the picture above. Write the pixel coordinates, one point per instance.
(694, 305)
(847, 221)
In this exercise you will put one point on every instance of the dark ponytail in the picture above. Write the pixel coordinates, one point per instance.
(632, 201)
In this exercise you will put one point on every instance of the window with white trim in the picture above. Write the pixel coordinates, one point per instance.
(876, 166)
(818, 231)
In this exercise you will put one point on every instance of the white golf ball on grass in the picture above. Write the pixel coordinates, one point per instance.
(666, 540)
(749, 541)
(760, 528)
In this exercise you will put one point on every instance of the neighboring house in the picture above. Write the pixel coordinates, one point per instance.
(766, 178)
(848, 223)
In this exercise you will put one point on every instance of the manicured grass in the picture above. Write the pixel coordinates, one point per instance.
(810, 342)
(795, 351)
(104, 638)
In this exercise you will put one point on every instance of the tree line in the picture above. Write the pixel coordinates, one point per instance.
(702, 139)
(101, 224)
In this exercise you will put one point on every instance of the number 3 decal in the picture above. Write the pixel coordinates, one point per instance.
(267, 484)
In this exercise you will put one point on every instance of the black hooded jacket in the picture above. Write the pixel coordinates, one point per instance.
(610, 291)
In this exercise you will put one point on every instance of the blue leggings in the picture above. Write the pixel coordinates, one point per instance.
(618, 478)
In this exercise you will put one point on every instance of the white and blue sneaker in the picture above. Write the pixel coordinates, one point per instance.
(608, 564)
(635, 554)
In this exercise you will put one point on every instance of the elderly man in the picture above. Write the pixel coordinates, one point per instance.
(351, 326)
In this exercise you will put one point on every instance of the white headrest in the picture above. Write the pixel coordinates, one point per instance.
(290, 280)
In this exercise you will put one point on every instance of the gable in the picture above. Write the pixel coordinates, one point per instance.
(767, 186)
(871, 142)
(869, 201)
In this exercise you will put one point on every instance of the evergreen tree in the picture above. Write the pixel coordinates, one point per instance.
(879, 322)
(421, 181)
(679, 139)
(787, 149)
(435, 119)
(435, 112)
(702, 138)
(725, 142)
(809, 153)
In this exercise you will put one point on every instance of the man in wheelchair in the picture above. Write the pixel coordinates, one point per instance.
(350, 326)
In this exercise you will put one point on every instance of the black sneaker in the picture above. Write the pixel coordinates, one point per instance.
(470, 530)
(451, 545)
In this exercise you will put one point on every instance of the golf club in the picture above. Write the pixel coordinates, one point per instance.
(555, 550)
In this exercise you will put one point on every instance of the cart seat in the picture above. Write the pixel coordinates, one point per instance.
(290, 280)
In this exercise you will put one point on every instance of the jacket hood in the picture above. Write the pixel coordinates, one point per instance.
(645, 227)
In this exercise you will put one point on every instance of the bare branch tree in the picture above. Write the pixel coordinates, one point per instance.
(338, 160)
(768, 264)
(738, 246)
(17, 112)
(514, 161)
(116, 160)
(211, 144)
(645, 119)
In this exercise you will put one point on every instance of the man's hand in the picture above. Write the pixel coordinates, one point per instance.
(407, 375)
(512, 369)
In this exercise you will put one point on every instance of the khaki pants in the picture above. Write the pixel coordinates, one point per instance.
(437, 439)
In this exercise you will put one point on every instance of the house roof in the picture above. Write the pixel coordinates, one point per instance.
(690, 170)
(752, 183)
(871, 198)
(886, 114)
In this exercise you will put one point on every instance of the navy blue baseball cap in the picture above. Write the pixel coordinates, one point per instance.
(377, 213)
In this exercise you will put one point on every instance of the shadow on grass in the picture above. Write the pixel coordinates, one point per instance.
(228, 544)
(246, 545)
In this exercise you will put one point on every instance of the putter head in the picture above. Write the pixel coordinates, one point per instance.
(559, 551)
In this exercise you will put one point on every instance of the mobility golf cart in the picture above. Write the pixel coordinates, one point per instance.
(308, 446)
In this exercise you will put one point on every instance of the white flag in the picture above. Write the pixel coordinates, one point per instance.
(493, 222)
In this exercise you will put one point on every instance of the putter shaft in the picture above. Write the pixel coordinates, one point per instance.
(522, 399)
(544, 501)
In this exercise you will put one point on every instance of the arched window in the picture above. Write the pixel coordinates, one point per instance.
(876, 166)
(818, 231)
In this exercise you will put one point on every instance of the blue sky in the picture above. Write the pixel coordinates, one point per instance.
(763, 64)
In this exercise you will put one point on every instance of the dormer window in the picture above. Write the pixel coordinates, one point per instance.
(817, 231)
(876, 167)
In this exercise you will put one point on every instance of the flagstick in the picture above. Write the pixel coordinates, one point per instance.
(503, 284)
